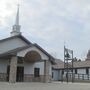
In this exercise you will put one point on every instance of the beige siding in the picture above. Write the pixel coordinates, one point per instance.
(11, 44)
(3, 66)
(29, 67)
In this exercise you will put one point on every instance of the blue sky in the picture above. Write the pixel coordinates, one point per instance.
(50, 23)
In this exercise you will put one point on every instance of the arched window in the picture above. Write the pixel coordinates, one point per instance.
(32, 56)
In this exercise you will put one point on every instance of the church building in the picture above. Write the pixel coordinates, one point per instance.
(81, 70)
(23, 61)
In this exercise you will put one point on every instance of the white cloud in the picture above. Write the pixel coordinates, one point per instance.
(48, 21)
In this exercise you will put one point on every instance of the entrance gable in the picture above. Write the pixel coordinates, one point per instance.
(33, 48)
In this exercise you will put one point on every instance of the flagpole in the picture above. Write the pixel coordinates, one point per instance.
(64, 62)
(72, 68)
(67, 69)
(64, 56)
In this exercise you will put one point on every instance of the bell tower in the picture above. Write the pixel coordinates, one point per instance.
(16, 26)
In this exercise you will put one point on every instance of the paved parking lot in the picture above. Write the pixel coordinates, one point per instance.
(44, 86)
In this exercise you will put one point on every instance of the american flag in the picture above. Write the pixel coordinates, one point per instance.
(68, 50)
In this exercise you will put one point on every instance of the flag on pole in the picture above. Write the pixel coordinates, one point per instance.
(67, 52)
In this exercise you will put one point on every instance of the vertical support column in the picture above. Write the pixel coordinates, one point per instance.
(46, 71)
(13, 69)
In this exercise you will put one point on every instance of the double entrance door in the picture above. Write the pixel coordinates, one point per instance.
(19, 75)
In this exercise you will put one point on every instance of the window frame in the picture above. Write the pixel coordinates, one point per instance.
(75, 70)
(87, 70)
(36, 72)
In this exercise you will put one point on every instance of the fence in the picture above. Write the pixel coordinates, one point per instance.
(79, 76)
(76, 77)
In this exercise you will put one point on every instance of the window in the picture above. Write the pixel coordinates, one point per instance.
(62, 72)
(75, 71)
(36, 72)
(87, 71)
(52, 74)
(20, 60)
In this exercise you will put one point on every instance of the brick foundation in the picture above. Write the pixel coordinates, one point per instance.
(27, 78)
(31, 78)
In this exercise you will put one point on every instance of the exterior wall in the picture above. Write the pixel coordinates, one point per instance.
(11, 44)
(29, 72)
(81, 71)
(33, 48)
(3, 66)
(3, 69)
(56, 75)
(29, 67)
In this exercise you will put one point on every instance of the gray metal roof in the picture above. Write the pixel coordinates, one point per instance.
(76, 64)
(81, 64)
(60, 64)
(19, 36)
